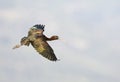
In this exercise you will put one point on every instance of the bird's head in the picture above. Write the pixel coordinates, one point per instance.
(37, 29)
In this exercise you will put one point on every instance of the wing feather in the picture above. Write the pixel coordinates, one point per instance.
(44, 49)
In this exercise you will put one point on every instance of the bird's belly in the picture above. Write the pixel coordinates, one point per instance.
(38, 45)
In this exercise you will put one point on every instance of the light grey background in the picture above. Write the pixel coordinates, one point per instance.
(88, 49)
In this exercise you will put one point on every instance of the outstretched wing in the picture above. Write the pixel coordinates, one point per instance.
(45, 50)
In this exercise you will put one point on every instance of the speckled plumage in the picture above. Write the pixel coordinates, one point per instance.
(39, 41)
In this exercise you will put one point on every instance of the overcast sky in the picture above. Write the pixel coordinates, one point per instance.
(88, 49)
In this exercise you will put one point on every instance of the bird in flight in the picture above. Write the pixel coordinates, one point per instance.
(39, 41)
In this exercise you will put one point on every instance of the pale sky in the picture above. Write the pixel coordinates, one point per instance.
(88, 49)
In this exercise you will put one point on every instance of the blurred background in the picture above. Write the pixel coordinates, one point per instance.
(88, 49)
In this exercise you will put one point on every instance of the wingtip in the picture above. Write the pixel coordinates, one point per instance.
(56, 60)
(17, 46)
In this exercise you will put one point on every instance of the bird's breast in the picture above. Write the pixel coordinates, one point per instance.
(38, 44)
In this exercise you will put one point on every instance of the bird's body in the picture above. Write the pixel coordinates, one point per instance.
(39, 41)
